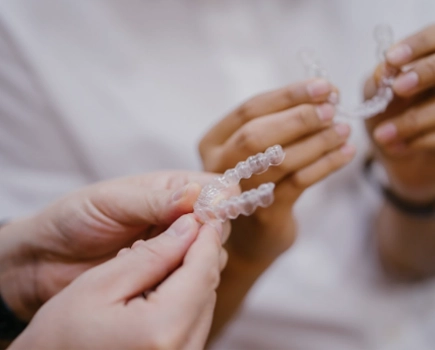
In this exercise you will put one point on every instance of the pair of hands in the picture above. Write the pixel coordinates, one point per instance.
(299, 118)
(77, 239)
(178, 266)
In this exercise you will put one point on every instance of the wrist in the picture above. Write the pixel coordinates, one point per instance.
(16, 267)
(404, 198)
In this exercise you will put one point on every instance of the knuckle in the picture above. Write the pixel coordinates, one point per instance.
(429, 69)
(299, 182)
(411, 121)
(247, 111)
(151, 255)
(303, 116)
(333, 161)
(247, 138)
(424, 38)
(289, 95)
(328, 137)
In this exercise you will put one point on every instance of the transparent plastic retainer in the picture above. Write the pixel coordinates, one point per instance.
(212, 204)
(379, 102)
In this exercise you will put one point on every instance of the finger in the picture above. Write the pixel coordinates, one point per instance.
(323, 167)
(311, 91)
(123, 251)
(412, 122)
(187, 291)
(280, 128)
(412, 48)
(419, 78)
(147, 263)
(133, 205)
(305, 152)
(425, 142)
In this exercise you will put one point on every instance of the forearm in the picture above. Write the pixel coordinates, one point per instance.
(406, 243)
(252, 248)
(236, 281)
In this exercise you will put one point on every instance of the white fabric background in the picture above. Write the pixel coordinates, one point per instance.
(90, 90)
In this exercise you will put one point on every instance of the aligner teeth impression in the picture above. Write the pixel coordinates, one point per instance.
(208, 207)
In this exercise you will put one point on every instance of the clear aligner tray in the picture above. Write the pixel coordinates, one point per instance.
(384, 95)
(212, 204)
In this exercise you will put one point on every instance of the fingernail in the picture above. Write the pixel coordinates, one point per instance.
(385, 133)
(182, 226)
(180, 193)
(406, 82)
(348, 150)
(325, 112)
(342, 129)
(318, 88)
(399, 54)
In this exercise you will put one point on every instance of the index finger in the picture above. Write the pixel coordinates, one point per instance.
(414, 47)
(310, 91)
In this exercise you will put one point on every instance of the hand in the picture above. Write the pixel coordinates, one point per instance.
(41, 255)
(404, 135)
(298, 118)
(104, 308)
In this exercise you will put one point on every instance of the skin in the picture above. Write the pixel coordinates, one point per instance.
(299, 118)
(404, 142)
(104, 308)
(42, 254)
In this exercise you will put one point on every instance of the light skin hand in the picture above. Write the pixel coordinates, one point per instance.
(41, 255)
(104, 307)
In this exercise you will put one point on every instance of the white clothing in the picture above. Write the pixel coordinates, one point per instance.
(91, 90)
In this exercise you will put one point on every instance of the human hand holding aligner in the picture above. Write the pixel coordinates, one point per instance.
(384, 94)
(209, 206)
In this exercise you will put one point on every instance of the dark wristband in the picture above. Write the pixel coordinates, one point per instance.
(422, 210)
(10, 325)
(426, 210)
